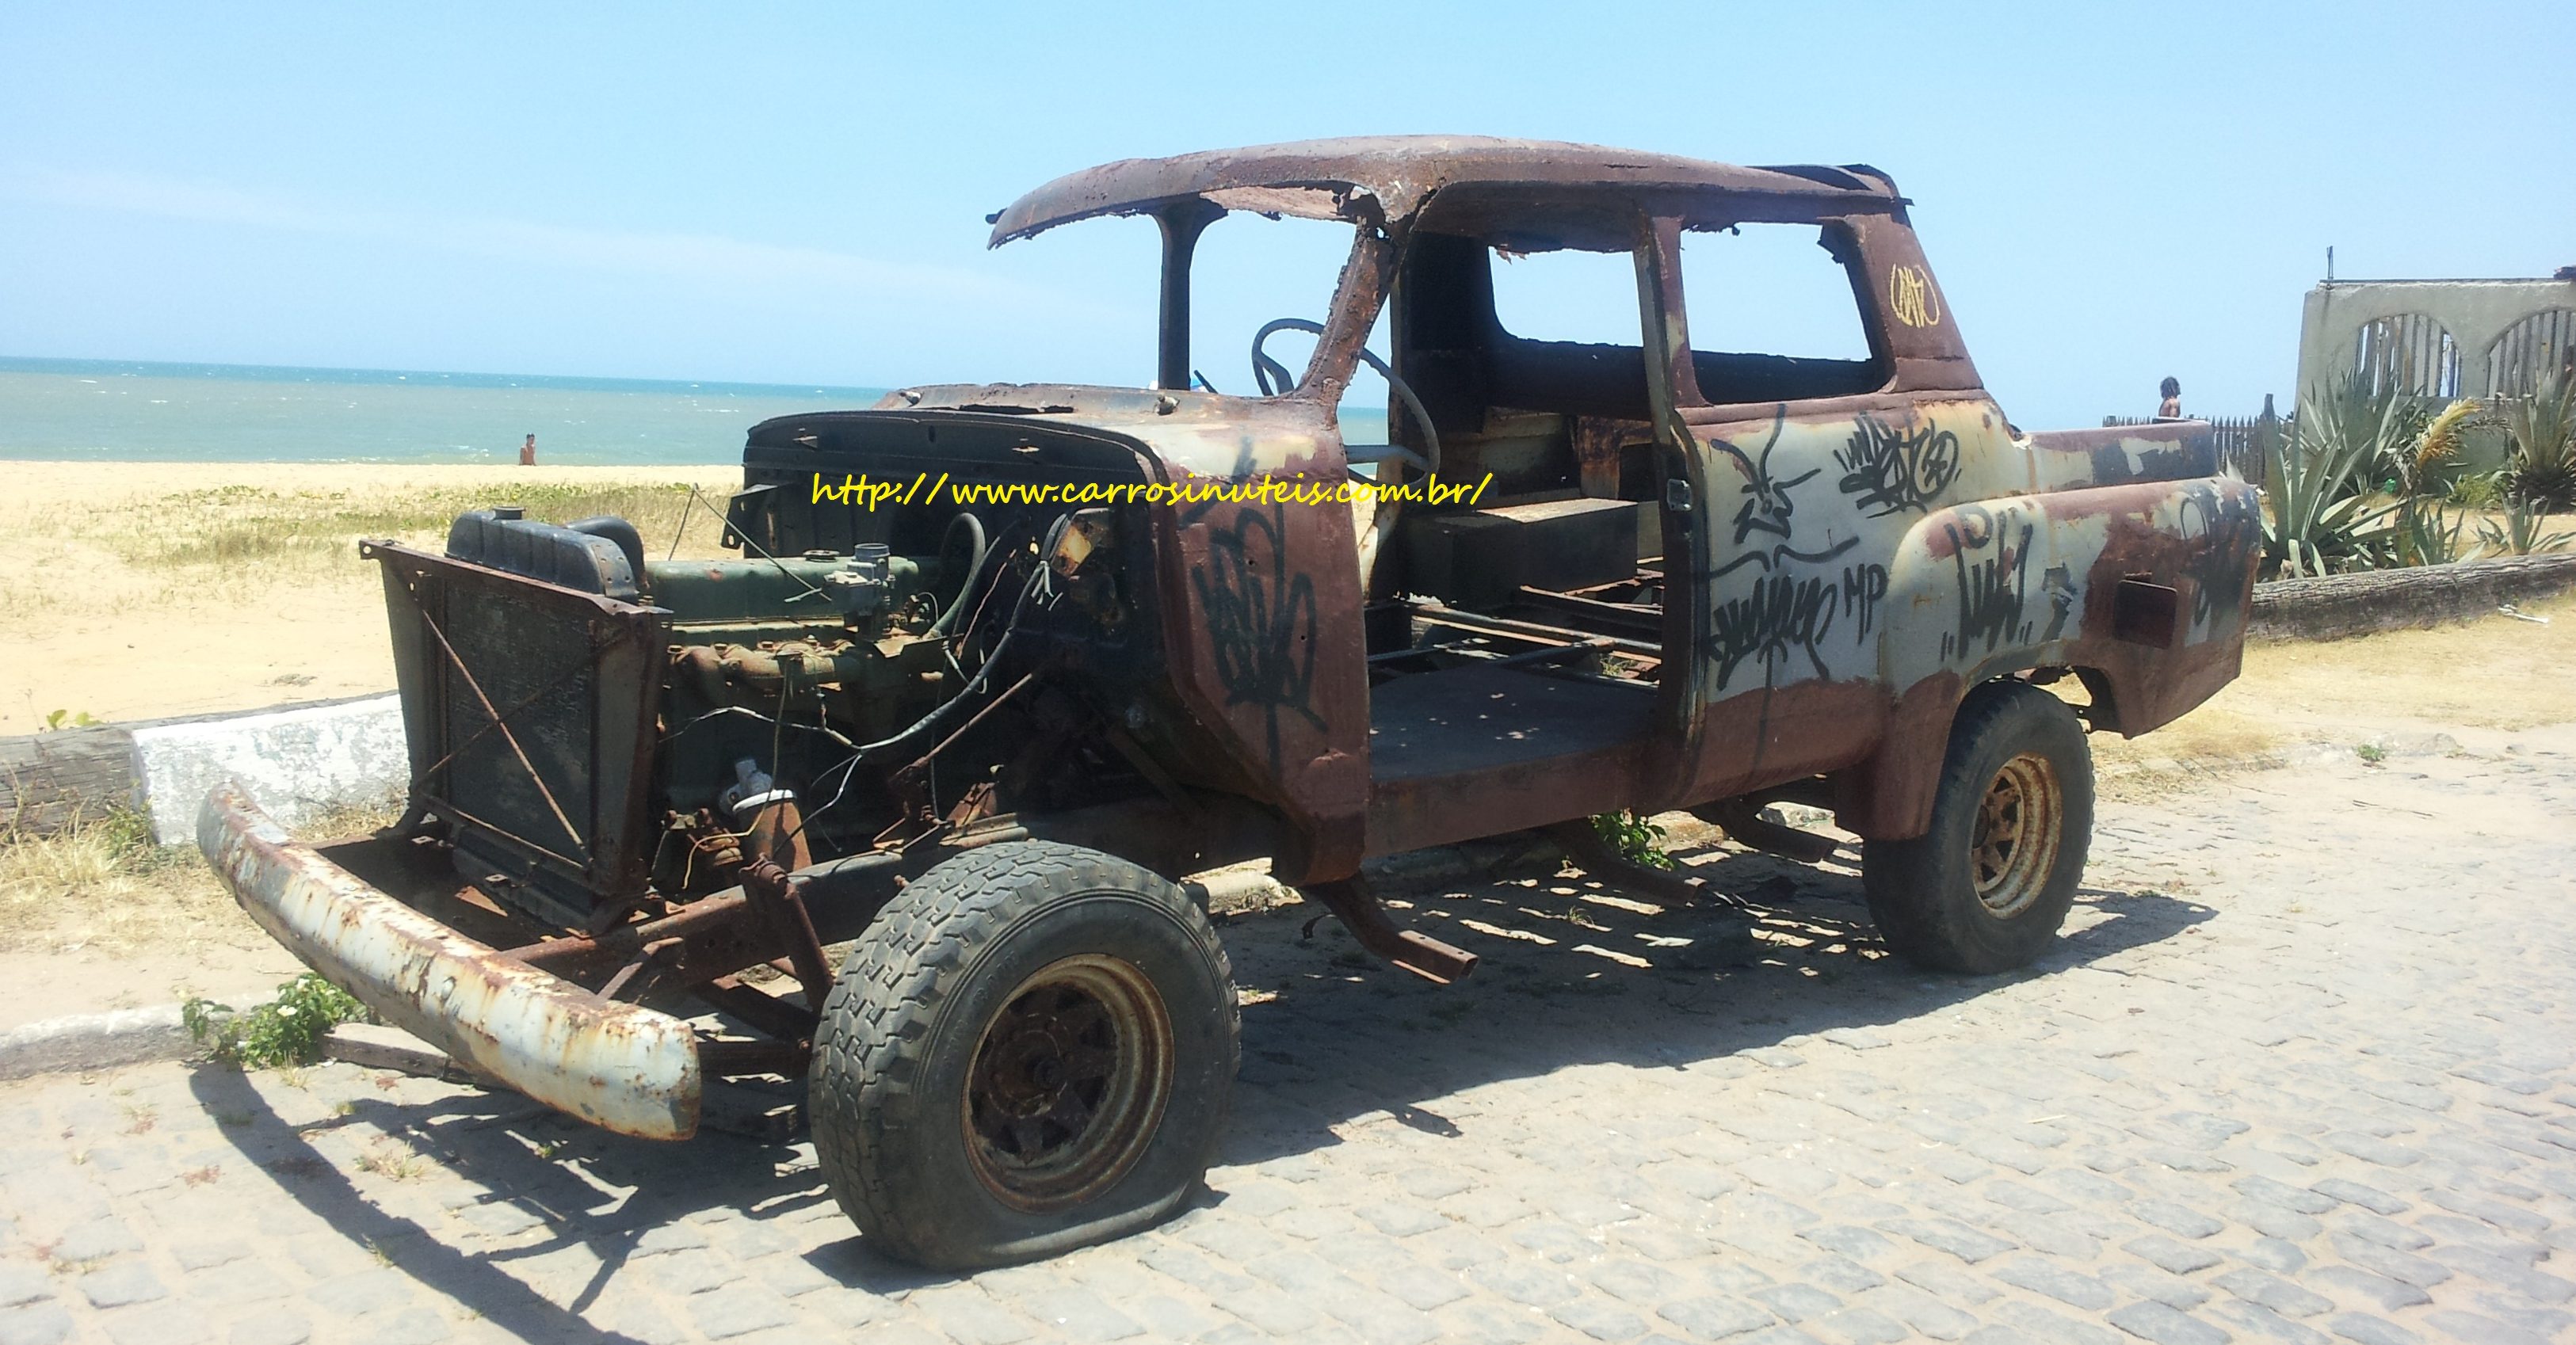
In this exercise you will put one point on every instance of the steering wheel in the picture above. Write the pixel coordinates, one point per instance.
(1275, 380)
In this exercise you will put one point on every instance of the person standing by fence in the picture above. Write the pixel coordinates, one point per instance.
(2171, 407)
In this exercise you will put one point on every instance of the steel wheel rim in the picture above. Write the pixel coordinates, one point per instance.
(1068, 1083)
(2013, 847)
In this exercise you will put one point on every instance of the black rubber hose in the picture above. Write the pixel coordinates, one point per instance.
(974, 584)
(974, 564)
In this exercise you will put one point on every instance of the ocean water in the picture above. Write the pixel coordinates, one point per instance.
(120, 411)
(128, 411)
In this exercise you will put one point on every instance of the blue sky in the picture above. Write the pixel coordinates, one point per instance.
(795, 193)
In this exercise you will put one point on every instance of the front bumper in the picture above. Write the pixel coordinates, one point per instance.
(619, 1066)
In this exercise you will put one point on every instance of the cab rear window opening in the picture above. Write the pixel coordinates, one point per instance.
(1768, 320)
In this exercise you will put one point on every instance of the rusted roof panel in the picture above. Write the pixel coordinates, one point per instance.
(1389, 177)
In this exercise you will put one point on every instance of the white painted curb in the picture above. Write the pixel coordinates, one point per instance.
(298, 763)
(95, 1041)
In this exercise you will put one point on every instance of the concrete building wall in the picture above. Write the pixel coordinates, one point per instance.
(2475, 312)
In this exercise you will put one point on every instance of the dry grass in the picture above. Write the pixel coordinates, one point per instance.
(247, 526)
(243, 542)
(2496, 673)
(103, 884)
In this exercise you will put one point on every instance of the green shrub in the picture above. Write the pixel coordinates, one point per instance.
(2477, 490)
(1637, 839)
(285, 1031)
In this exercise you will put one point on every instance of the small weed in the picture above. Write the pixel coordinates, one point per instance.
(285, 1031)
(392, 1162)
(1637, 839)
(64, 719)
(2371, 754)
(344, 1107)
(234, 1120)
(383, 1257)
(140, 1117)
(550, 1149)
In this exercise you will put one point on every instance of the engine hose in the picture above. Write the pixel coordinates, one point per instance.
(974, 567)
(975, 683)
(975, 581)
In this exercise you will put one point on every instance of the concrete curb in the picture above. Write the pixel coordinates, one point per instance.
(95, 1041)
(299, 763)
(299, 760)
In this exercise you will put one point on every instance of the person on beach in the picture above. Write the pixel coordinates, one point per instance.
(528, 450)
(2168, 409)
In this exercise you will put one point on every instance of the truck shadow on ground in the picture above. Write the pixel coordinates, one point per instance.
(1575, 972)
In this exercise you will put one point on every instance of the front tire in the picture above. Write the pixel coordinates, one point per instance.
(1985, 889)
(1033, 1049)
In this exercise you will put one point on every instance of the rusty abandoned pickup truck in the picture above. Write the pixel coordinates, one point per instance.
(981, 737)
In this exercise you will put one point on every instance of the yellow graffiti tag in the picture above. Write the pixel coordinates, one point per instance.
(1911, 298)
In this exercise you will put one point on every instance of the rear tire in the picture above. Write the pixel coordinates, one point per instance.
(1033, 1049)
(1986, 888)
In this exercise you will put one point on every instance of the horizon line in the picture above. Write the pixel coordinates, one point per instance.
(8, 361)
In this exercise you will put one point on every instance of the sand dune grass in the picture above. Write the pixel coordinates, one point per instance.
(132, 591)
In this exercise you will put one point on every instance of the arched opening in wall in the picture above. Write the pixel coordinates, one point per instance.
(2409, 353)
(2528, 349)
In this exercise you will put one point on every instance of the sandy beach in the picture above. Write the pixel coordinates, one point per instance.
(145, 590)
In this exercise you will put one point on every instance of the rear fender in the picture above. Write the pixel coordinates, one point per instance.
(2073, 578)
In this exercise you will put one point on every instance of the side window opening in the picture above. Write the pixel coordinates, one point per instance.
(1774, 314)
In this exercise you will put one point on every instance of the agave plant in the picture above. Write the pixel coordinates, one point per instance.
(2543, 470)
(2427, 532)
(2321, 517)
(2524, 532)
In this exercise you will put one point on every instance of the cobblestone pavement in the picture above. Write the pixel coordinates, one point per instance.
(2302, 1071)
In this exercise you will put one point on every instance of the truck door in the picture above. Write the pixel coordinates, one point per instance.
(1815, 442)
